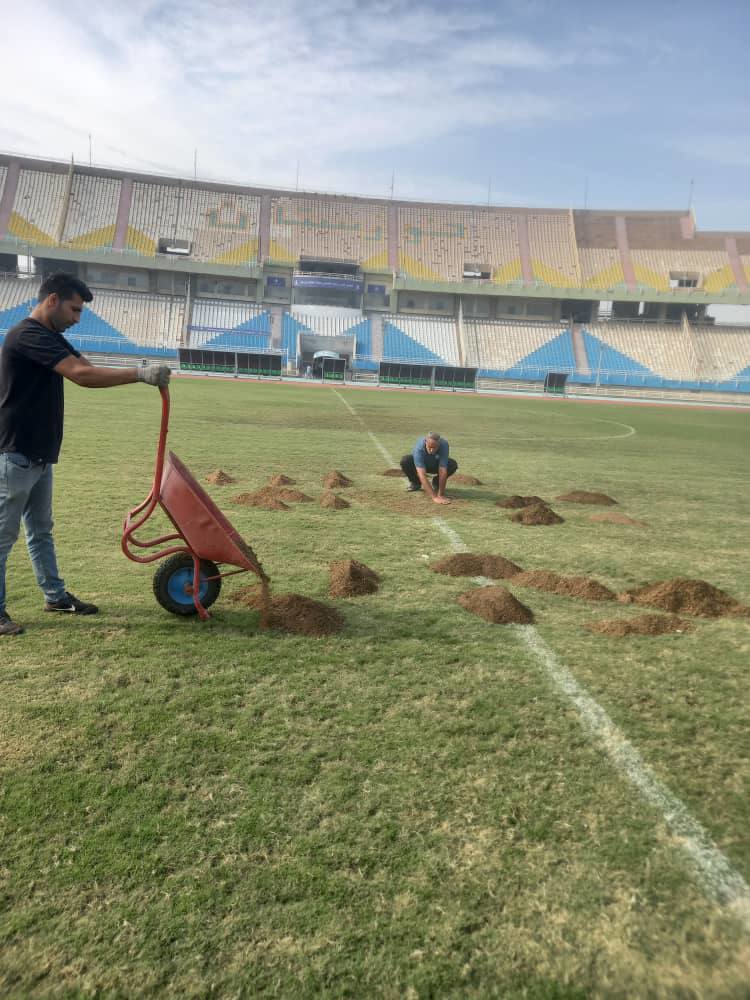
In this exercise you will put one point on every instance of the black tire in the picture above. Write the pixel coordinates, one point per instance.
(171, 577)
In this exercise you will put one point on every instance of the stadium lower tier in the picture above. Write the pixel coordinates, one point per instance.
(605, 353)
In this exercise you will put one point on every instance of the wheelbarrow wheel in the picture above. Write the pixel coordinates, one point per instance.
(173, 584)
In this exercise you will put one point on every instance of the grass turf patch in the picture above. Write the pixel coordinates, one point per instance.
(407, 806)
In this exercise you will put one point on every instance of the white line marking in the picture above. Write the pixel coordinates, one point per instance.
(381, 448)
(712, 869)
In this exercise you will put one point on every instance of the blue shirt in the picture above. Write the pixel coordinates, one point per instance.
(422, 456)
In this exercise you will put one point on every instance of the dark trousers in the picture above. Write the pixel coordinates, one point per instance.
(431, 467)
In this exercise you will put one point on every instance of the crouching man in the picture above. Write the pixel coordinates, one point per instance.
(430, 457)
(34, 361)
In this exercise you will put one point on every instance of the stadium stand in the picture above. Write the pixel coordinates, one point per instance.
(228, 325)
(17, 298)
(711, 268)
(442, 244)
(222, 227)
(601, 267)
(722, 353)
(92, 212)
(420, 338)
(328, 228)
(650, 266)
(552, 248)
(132, 320)
(525, 350)
(114, 323)
(648, 348)
(38, 206)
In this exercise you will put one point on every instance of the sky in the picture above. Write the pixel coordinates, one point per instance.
(629, 105)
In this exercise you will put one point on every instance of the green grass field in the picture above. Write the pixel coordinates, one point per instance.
(409, 808)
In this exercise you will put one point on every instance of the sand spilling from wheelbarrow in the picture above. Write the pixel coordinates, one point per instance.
(266, 501)
(584, 496)
(336, 480)
(281, 480)
(219, 478)
(612, 517)
(291, 612)
(517, 502)
(349, 578)
(470, 564)
(686, 596)
(466, 480)
(565, 586)
(497, 605)
(539, 513)
(329, 499)
(645, 625)
(393, 472)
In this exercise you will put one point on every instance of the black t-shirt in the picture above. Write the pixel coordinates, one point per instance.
(31, 393)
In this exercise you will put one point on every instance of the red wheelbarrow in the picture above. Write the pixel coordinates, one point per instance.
(189, 581)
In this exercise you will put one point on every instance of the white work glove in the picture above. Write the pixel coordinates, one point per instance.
(154, 375)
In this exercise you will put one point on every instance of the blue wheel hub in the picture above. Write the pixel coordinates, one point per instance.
(180, 586)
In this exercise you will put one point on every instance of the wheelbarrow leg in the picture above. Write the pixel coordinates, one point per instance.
(202, 613)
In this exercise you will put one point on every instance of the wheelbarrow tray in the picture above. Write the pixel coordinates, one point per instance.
(203, 526)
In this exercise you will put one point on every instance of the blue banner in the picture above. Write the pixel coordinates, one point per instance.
(323, 281)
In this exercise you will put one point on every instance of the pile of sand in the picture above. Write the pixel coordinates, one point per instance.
(515, 502)
(692, 597)
(539, 513)
(219, 478)
(288, 495)
(645, 625)
(291, 612)
(272, 498)
(392, 472)
(329, 499)
(583, 496)
(469, 564)
(612, 517)
(496, 605)
(280, 480)
(349, 578)
(336, 480)
(267, 501)
(565, 586)
(466, 480)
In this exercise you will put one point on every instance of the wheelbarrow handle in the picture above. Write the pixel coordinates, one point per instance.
(148, 505)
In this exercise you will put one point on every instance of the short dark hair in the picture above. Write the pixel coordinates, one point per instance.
(66, 286)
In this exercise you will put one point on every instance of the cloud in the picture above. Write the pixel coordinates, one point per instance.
(253, 86)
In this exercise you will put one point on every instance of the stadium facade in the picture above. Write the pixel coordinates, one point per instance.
(606, 297)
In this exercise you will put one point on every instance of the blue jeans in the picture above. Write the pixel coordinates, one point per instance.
(26, 495)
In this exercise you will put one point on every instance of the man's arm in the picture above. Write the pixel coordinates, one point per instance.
(427, 485)
(82, 372)
(442, 479)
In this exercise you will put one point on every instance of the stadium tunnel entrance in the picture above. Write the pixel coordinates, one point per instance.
(313, 350)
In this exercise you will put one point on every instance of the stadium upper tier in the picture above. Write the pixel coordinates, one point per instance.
(84, 209)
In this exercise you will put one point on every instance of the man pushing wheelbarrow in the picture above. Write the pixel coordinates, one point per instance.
(34, 362)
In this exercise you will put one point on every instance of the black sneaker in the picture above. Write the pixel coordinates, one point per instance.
(72, 605)
(9, 627)
(413, 487)
(435, 483)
